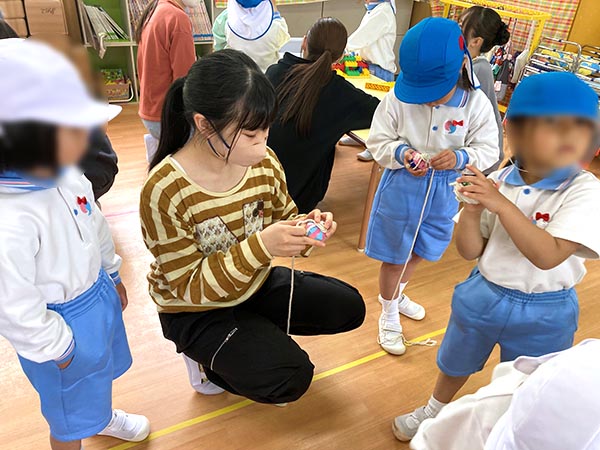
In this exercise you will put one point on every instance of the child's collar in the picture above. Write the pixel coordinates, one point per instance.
(459, 99)
(21, 181)
(374, 4)
(557, 180)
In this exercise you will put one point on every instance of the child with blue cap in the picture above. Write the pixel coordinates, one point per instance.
(434, 113)
(254, 27)
(531, 226)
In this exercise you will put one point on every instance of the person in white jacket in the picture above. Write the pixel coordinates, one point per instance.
(61, 297)
(254, 27)
(433, 111)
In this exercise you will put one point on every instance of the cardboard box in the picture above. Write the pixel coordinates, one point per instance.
(19, 25)
(45, 16)
(12, 9)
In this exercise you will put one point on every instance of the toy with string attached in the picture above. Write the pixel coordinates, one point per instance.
(314, 230)
(419, 161)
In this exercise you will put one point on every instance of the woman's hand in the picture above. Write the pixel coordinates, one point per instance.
(483, 190)
(122, 295)
(408, 155)
(286, 238)
(327, 219)
(445, 160)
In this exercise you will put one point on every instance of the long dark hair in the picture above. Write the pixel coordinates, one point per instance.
(6, 31)
(299, 92)
(487, 24)
(144, 18)
(226, 87)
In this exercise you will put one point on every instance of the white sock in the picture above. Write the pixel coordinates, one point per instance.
(401, 290)
(389, 309)
(434, 407)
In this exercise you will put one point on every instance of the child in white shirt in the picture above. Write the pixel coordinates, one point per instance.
(434, 111)
(61, 297)
(254, 27)
(532, 226)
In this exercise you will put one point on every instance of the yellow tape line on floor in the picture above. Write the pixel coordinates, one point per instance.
(239, 405)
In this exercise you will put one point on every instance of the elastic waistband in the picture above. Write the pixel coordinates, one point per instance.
(85, 301)
(438, 175)
(538, 297)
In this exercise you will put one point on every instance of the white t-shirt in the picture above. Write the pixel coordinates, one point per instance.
(566, 205)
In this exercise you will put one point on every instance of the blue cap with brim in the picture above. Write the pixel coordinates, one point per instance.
(431, 57)
(249, 3)
(553, 94)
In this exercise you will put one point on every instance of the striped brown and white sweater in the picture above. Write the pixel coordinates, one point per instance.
(208, 252)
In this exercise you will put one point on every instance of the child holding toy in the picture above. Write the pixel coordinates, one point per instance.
(61, 298)
(534, 225)
(254, 27)
(483, 28)
(434, 115)
(317, 107)
(374, 40)
(215, 211)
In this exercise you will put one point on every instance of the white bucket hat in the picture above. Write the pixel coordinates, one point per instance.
(249, 19)
(37, 83)
(557, 407)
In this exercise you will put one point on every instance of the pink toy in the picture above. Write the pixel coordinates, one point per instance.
(314, 230)
(419, 161)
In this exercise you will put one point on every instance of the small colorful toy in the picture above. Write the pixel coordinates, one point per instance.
(352, 66)
(460, 197)
(314, 230)
(419, 161)
(384, 87)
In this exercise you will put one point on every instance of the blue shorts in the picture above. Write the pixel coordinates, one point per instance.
(77, 401)
(485, 314)
(380, 72)
(395, 216)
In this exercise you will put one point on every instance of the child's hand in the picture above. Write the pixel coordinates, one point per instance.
(445, 160)
(122, 295)
(408, 155)
(287, 239)
(483, 190)
(326, 218)
(67, 363)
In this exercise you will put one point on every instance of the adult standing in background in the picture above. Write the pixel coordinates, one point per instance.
(166, 52)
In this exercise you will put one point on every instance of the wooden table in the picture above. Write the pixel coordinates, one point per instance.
(361, 137)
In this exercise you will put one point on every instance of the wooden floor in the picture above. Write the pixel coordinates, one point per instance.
(349, 406)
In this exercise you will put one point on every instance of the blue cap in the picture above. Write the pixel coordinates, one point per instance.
(250, 3)
(431, 56)
(553, 94)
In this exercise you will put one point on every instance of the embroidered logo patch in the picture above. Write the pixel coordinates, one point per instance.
(83, 206)
(541, 219)
(452, 125)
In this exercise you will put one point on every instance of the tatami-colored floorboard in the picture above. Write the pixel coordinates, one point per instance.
(350, 410)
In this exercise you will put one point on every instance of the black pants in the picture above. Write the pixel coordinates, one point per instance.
(245, 349)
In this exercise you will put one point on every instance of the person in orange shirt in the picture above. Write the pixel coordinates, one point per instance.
(166, 52)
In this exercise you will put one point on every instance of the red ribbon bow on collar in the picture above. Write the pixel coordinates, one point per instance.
(458, 123)
(82, 201)
(545, 217)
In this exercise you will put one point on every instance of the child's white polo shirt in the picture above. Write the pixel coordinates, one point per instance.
(566, 205)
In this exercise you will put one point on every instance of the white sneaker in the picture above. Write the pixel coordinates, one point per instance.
(365, 155)
(405, 427)
(198, 379)
(128, 427)
(410, 309)
(348, 141)
(390, 336)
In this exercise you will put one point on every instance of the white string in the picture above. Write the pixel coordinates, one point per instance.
(289, 318)
(427, 342)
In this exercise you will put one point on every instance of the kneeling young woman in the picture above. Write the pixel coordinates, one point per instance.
(215, 212)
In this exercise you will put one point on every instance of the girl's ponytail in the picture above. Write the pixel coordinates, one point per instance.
(145, 17)
(299, 92)
(175, 128)
(487, 24)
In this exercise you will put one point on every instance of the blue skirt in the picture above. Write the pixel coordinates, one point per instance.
(396, 211)
(77, 401)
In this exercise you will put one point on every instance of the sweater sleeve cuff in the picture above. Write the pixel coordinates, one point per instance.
(256, 252)
(116, 278)
(276, 15)
(400, 152)
(67, 353)
(462, 159)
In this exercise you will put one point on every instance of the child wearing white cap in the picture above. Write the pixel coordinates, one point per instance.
(530, 226)
(254, 27)
(64, 320)
(433, 111)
